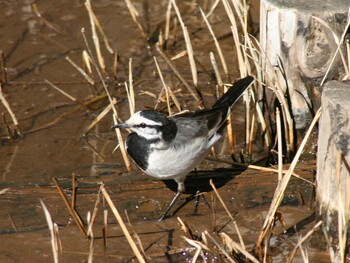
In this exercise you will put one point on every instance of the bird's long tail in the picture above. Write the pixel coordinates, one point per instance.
(235, 92)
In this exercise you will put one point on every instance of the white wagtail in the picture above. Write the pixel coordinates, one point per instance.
(169, 147)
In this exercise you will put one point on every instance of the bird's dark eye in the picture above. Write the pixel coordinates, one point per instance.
(143, 125)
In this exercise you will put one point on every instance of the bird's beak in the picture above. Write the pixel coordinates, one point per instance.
(121, 126)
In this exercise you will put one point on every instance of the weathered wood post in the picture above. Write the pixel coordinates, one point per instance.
(333, 192)
(291, 30)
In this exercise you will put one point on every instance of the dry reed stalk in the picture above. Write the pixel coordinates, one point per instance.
(81, 71)
(199, 249)
(234, 246)
(9, 110)
(122, 146)
(136, 236)
(212, 8)
(72, 211)
(115, 66)
(167, 90)
(230, 134)
(3, 68)
(74, 190)
(87, 61)
(185, 228)
(3, 191)
(279, 139)
(52, 232)
(135, 16)
(61, 91)
(177, 73)
(217, 45)
(104, 229)
(302, 240)
(95, 38)
(188, 45)
(91, 236)
(216, 70)
(130, 100)
(94, 214)
(281, 187)
(228, 212)
(219, 246)
(98, 118)
(167, 22)
(122, 225)
(45, 21)
(251, 137)
(112, 102)
(102, 33)
(131, 92)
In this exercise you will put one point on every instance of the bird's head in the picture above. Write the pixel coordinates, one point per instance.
(151, 125)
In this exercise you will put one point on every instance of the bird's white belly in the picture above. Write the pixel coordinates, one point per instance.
(177, 162)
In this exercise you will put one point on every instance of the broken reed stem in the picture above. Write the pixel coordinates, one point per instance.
(188, 45)
(167, 22)
(177, 73)
(81, 71)
(95, 38)
(228, 212)
(251, 137)
(136, 236)
(131, 93)
(279, 140)
(45, 21)
(74, 190)
(91, 235)
(52, 232)
(230, 134)
(9, 110)
(212, 8)
(3, 67)
(196, 246)
(168, 91)
(115, 66)
(302, 240)
(222, 249)
(99, 117)
(94, 214)
(217, 45)
(281, 187)
(61, 91)
(72, 211)
(122, 225)
(111, 101)
(237, 247)
(216, 70)
(135, 16)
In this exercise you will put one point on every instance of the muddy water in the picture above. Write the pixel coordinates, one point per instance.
(52, 141)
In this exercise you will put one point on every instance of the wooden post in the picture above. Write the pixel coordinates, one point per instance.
(290, 32)
(333, 154)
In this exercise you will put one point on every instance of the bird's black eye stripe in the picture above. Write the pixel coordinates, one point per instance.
(142, 125)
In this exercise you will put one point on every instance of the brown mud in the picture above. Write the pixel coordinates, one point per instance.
(52, 141)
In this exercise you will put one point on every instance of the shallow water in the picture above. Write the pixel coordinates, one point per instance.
(52, 141)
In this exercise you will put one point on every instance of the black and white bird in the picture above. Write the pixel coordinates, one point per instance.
(169, 147)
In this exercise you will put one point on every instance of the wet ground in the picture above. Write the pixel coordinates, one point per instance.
(52, 141)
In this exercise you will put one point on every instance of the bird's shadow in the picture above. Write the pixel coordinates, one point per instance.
(199, 181)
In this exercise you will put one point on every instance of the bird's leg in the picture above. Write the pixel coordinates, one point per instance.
(170, 205)
(198, 196)
(180, 189)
